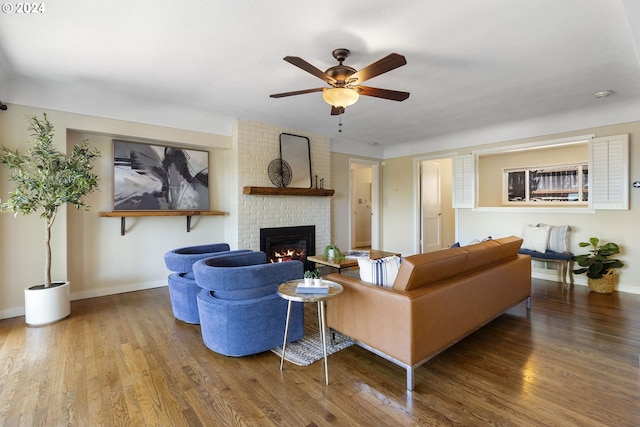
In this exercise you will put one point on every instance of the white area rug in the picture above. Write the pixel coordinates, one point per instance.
(309, 349)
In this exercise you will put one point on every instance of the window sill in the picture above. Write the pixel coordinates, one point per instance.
(545, 209)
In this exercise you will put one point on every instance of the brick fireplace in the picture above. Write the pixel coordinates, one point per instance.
(254, 145)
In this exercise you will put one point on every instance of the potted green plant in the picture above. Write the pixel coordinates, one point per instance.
(317, 277)
(309, 275)
(600, 269)
(333, 252)
(47, 179)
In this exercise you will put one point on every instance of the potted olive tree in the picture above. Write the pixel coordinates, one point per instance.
(600, 269)
(45, 180)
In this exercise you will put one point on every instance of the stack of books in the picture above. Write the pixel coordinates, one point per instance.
(356, 254)
(302, 288)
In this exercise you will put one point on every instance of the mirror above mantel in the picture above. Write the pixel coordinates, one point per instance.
(295, 152)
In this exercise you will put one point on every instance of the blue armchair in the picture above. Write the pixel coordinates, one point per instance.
(183, 290)
(241, 312)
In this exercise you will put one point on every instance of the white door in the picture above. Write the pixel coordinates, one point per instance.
(361, 206)
(363, 200)
(431, 213)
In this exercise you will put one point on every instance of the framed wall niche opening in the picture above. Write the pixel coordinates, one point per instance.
(150, 177)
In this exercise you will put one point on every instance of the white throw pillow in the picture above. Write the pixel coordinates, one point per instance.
(536, 238)
(381, 272)
(557, 237)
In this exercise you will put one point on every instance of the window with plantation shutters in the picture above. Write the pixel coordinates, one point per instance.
(464, 181)
(581, 172)
(609, 174)
(560, 184)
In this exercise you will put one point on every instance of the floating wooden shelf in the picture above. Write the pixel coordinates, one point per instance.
(124, 214)
(286, 191)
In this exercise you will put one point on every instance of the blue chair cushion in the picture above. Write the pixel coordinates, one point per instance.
(548, 255)
(180, 260)
(237, 259)
(244, 276)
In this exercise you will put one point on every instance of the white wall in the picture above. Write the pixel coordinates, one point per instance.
(621, 227)
(340, 203)
(88, 250)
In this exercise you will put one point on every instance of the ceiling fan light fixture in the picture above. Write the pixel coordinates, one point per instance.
(340, 96)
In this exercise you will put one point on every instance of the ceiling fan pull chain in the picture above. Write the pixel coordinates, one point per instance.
(340, 122)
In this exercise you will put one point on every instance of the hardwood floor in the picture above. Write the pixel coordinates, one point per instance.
(123, 360)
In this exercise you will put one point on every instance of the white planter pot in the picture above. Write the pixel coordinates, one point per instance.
(46, 305)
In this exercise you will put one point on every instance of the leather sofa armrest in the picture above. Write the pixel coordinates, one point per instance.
(377, 316)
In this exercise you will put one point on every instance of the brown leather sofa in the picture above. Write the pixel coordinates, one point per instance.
(437, 299)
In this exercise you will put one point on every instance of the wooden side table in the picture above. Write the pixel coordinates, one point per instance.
(348, 262)
(287, 291)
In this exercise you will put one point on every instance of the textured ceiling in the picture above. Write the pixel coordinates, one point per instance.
(478, 71)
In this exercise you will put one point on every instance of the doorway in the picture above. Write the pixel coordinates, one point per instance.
(430, 206)
(435, 216)
(364, 217)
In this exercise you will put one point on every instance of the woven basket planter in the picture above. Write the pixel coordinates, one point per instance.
(605, 284)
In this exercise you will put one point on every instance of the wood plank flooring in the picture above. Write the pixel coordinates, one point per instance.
(123, 360)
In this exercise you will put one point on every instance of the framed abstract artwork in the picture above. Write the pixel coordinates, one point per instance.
(159, 177)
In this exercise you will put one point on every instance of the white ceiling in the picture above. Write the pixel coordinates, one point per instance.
(478, 71)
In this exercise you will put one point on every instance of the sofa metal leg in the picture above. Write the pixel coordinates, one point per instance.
(410, 379)
(528, 303)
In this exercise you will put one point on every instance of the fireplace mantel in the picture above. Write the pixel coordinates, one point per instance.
(286, 191)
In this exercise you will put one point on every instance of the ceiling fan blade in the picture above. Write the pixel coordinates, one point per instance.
(394, 95)
(381, 66)
(301, 63)
(297, 92)
(336, 111)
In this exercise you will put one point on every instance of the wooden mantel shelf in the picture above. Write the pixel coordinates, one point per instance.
(287, 191)
(124, 214)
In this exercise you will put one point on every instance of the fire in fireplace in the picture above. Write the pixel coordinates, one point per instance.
(283, 244)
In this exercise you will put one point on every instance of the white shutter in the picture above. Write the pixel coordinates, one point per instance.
(463, 188)
(609, 172)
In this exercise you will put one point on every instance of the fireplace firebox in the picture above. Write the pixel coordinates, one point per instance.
(283, 244)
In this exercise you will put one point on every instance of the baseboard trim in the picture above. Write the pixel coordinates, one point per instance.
(117, 290)
(19, 311)
(12, 312)
(581, 280)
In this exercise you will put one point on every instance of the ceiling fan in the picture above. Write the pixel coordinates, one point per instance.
(345, 81)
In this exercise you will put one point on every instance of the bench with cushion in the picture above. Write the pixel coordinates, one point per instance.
(549, 243)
